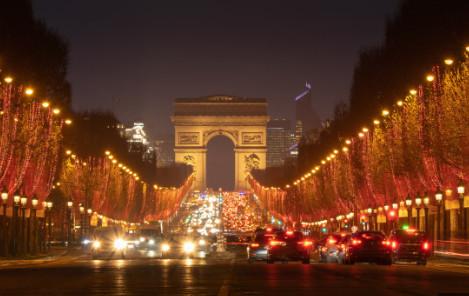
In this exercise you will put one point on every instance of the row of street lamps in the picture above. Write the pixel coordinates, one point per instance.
(419, 202)
(19, 235)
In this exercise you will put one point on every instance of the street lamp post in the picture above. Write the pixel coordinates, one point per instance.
(395, 207)
(462, 216)
(34, 203)
(23, 201)
(49, 238)
(69, 224)
(418, 203)
(426, 202)
(438, 198)
(15, 234)
(82, 211)
(370, 217)
(386, 211)
(90, 211)
(408, 203)
(3, 227)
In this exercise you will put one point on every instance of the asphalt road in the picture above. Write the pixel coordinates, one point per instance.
(78, 274)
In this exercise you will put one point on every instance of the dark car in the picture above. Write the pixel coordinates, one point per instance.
(257, 248)
(368, 246)
(332, 247)
(181, 246)
(410, 245)
(289, 246)
(109, 241)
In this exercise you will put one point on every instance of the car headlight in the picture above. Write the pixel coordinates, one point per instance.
(119, 244)
(189, 247)
(201, 242)
(142, 239)
(151, 242)
(86, 241)
(165, 247)
(96, 244)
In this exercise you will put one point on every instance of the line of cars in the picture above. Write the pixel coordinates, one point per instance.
(408, 245)
(273, 245)
(113, 242)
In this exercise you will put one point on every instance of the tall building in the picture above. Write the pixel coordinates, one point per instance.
(137, 141)
(164, 148)
(308, 122)
(278, 142)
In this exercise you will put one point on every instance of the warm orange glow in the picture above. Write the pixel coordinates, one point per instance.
(449, 62)
(68, 152)
(336, 151)
(114, 161)
(68, 121)
(376, 122)
(400, 103)
(8, 79)
(348, 142)
(29, 91)
(107, 152)
(45, 104)
(361, 135)
(467, 48)
(385, 112)
(345, 149)
(323, 161)
(413, 92)
(365, 130)
(430, 78)
(56, 111)
(110, 157)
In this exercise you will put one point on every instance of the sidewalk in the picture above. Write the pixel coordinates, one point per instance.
(54, 252)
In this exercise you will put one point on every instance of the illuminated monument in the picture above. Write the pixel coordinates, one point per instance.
(242, 120)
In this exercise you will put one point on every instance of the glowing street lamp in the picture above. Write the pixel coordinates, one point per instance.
(439, 199)
(408, 203)
(462, 210)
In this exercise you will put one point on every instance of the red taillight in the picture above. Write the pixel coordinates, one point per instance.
(269, 229)
(394, 245)
(289, 232)
(274, 243)
(254, 245)
(387, 243)
(306, 243)
(332, 241)
(356, 242)
(426, 246)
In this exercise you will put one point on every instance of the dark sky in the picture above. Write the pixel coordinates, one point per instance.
(146, 53)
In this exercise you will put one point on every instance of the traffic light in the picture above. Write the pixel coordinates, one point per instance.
(346, 223)
(324, 229)
(363, 220)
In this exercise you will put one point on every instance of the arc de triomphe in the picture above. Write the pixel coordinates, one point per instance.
(243, 120)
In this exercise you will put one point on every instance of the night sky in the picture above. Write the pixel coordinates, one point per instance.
(145, 54)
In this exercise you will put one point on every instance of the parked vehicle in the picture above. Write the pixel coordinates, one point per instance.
(109, 241)
(289, 246)
(368, 246)
(410, 245)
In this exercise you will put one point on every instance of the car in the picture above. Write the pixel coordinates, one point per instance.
(368, 246)
(410, 245)
(331, 249)
(150, 239)
(257, 248)
(289, 246)
(109, 241)
(181, 246)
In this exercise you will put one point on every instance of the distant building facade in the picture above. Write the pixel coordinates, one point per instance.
(137, 141)
(164, 149)
(308, 124)
(278, 142)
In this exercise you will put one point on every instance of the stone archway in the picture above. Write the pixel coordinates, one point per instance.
(243, 120)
